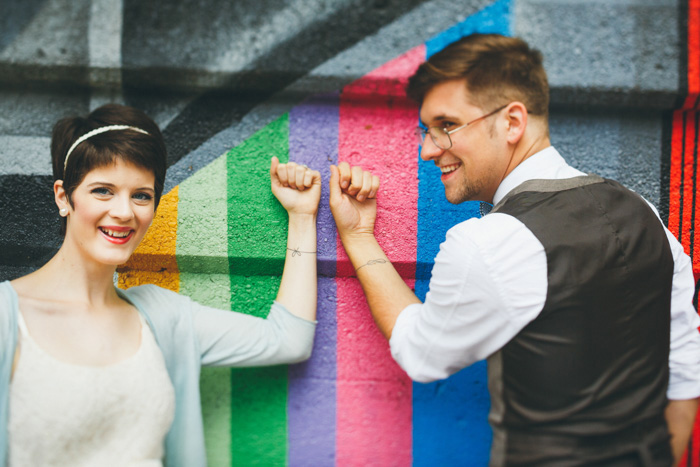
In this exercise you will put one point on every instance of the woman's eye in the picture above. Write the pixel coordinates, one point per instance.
(143, 196)
(100, 191)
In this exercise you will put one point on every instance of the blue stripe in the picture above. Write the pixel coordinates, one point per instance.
(495, 19)
(450, 424)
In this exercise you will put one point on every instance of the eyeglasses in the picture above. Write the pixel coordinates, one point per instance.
(441, 136)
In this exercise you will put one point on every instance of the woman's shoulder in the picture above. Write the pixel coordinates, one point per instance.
(5, 288)
(8, 295)
(160, 306)
(8, 308)
(168, 313)
(151, 294)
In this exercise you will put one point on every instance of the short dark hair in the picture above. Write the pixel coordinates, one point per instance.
(496, 68)
(142, 150)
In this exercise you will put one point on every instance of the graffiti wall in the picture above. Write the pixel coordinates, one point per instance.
(623, 106)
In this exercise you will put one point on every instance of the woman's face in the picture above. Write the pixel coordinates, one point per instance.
(112, 209)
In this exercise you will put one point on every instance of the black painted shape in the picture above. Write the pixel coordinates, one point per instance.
(207, 115)
(14, 17)
(30, 227)
(7, 273)
(214, 111)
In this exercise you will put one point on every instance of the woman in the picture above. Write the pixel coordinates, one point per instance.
(94, 375)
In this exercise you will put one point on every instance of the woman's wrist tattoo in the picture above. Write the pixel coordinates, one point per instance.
(372, 262)
(297, 252)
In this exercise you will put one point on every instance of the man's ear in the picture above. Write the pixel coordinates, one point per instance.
(516, 115)
(60, 196)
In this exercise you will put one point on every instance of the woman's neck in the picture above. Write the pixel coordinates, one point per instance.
(74, 278)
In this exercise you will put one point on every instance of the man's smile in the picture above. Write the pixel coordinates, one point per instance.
(450, 168)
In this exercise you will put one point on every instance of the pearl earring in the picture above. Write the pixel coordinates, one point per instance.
(63, 212)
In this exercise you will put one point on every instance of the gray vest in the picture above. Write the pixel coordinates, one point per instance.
(585, 382)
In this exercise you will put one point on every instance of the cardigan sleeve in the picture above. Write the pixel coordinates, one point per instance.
(227, 338)
(8, 342)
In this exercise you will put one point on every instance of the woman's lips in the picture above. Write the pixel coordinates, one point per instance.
(117, 235)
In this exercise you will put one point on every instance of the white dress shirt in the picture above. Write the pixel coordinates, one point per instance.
(490, 280)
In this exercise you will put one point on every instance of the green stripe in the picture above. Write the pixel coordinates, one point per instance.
(256, 249)
(201, 251)
(257, 223)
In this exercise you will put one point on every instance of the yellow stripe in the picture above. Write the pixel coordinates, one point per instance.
(155, 261)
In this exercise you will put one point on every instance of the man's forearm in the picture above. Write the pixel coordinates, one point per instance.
(680, 416)
(387, 293)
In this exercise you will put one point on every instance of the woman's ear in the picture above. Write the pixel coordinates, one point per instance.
(61, 198)
(516, 114)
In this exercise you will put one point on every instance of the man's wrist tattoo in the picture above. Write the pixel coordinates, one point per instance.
(297, 252)
(372, 262)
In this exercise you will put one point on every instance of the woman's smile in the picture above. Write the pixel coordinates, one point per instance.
(116, 234)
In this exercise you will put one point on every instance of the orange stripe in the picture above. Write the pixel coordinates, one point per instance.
(155, 261)
(675, 178)
(688, 180)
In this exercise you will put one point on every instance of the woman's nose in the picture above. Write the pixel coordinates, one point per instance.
(121, 208)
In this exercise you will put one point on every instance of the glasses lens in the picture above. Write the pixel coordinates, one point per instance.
(440, 137)
(420, 135)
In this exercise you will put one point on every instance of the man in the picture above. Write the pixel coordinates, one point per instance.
(571, 286)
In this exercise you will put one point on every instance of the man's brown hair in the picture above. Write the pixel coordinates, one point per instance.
(498, 70)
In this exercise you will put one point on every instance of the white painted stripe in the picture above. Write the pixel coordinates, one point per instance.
(25, 155)
(105, 49)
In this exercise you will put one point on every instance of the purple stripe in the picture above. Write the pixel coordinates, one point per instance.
(313, 140)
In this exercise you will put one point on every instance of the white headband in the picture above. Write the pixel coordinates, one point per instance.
(97, 131)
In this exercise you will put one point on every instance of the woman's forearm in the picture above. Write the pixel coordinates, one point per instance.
(298, 287)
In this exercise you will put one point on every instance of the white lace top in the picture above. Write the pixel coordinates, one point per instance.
(63, 414)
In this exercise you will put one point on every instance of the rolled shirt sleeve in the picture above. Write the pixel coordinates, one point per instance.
(684, 355)
(489, 281)
(684, 359)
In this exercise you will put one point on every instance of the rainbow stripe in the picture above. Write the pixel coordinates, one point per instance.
(682, 133)
(374, 394)
(350, 404)
(313, 140)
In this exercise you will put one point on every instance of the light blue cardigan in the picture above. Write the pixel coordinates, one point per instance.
(190, 335)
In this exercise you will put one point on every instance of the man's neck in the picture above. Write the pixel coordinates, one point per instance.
(535, 139)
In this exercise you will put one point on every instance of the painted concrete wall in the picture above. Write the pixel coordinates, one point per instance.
(237, 85)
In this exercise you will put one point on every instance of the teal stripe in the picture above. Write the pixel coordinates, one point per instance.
(202, 250)
(202, 237)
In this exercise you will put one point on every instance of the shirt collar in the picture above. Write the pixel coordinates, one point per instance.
(541, 165)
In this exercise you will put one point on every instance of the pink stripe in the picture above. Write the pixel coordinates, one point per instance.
(374, 406)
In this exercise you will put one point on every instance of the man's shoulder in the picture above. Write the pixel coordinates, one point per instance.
(494, 230)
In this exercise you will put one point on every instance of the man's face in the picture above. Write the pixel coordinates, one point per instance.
(477, 162)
